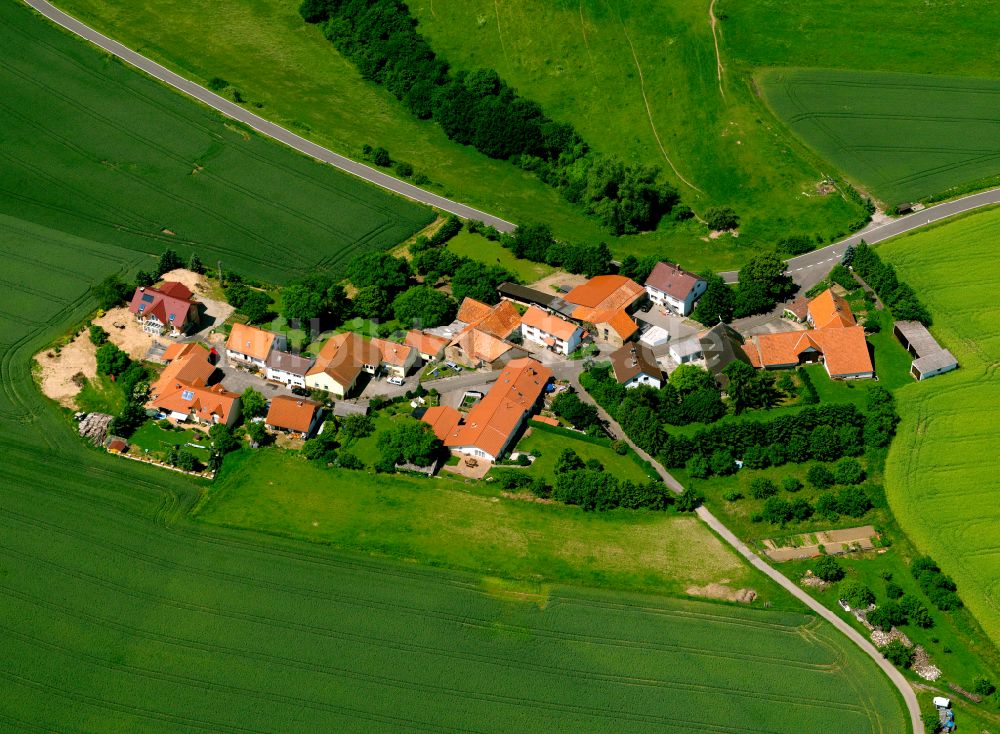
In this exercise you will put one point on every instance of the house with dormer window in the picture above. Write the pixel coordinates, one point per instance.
(167, 310)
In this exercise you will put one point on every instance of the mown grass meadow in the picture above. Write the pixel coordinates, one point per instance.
(94, 149)
(941, 471)
(906, 137)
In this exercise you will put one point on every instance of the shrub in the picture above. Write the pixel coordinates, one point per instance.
(689, 500)
(722, 462)
(856, 594)
(898, 654)
(848, 471)
(619, 447)
(828, 569)
(697, 467)
(820, 477)
(217, 84)
(801, 509)
(983, 686)
(761, 488)
(404, 169)
(97, 335)
(732, 495)
(721, 218)
(791, 484)
(893, 590)
(916, 612)
(776, 511)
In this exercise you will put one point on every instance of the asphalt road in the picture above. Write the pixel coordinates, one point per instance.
(264, 127)
(800, 267)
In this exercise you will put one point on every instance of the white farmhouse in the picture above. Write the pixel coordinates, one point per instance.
(674, 288)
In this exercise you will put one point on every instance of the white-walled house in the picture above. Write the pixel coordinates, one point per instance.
(288, 369)
(675, 288)
(550, 331)
(635, 365)
(249, 346)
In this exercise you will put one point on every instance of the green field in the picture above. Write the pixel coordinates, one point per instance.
(904, 136)
(122, 615)
(941, 473)
(94, 149)
(576, 60)
(476, 247)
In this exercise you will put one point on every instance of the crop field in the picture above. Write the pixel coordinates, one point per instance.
(95, 149)
(577, 60)
(119, 614)
(904, 136)
(941, 471)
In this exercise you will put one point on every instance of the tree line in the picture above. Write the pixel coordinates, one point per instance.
(480, 109)
(898, 295)
(535, 242)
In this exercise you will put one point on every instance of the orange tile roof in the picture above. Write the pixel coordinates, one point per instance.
(443, 419)
(293, 414)
(251, 341)
(549, 323)
(830, 311)
(472, 311)
(188, 364)
(844, 350)
(174, 350)
(478, 344)
(204, 402)
(605, 293)
(343, 357)
(621, 322)
(492, 421)
(425, 343)
(501, 321)
(393, 353)
(545, 419)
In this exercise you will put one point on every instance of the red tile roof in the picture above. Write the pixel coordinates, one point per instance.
(828, 310)
(291, 414)
(344, 356)
(170, 299)
(425, 343)
(443, 420)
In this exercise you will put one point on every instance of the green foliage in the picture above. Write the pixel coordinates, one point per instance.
(252, 404)
(580, 414)
(408, 442)
(423, 307)
(97, 335)
(223, 440)
(258, 434)
(983, 686)
(379, 269)
(689, 500)
(828, 569)
(111, 292)
(315, 296)
(856, 594)
(169, 260)
(111, 360)
(716, 303)
(842, 277)
(256, 306)
(762, 488)
(356, 427)
(476, 280)
(897, 295)
(893, 590)
(898, 654)
(848, 471)
(128, 420)
(372, 302)
(791, 484)
(776, 510)
(721, 218)
(749, 388)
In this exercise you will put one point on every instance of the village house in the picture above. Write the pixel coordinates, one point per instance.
(167, 310)
(550, 331)
(493, 424)
(250, 347)
(482, 342)
(340, 363)
(184, 390)
(635, 365)
(930, 359)
(670, 286)
(398, 360)
(428, 346)
(288, 369)
(836, 340)
(297, 416)
(607, 302)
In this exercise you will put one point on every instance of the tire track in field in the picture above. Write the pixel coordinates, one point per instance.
(214, 687)
(363, 604)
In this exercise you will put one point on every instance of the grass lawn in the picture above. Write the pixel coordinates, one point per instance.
(590, 65)
(888, 131)
(547, 443)
(477, 247)
(445, 522)
(100, 395)
(116, 157)
(154, 439)
(941, 471)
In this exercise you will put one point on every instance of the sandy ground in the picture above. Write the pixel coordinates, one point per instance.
(547, 283)
(79, 356)
(721, 591)
(189, 278)
(129, 337)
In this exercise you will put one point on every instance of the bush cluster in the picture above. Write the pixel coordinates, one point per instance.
(940, 589)
(589, 486)
(478, 108)
(897, 295)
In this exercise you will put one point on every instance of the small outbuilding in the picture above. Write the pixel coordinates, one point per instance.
(930, 358)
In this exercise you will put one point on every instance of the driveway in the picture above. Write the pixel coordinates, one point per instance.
(238, 380)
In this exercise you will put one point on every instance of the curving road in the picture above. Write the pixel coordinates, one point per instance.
(810, 266)
(264, 127)
(807, 267)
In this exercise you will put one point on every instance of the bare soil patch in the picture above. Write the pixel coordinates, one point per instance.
(721, 591)
(198, 284)
(125, 333)
(557, 280)
(58, 370)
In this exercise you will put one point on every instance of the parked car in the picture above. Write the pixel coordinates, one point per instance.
(394, 380)
(300, 391)
(456, 367)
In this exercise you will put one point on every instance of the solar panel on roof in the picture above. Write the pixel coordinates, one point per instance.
(187, 395)
(147, 298)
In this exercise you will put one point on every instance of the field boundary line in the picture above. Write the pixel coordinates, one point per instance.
(259, 124)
